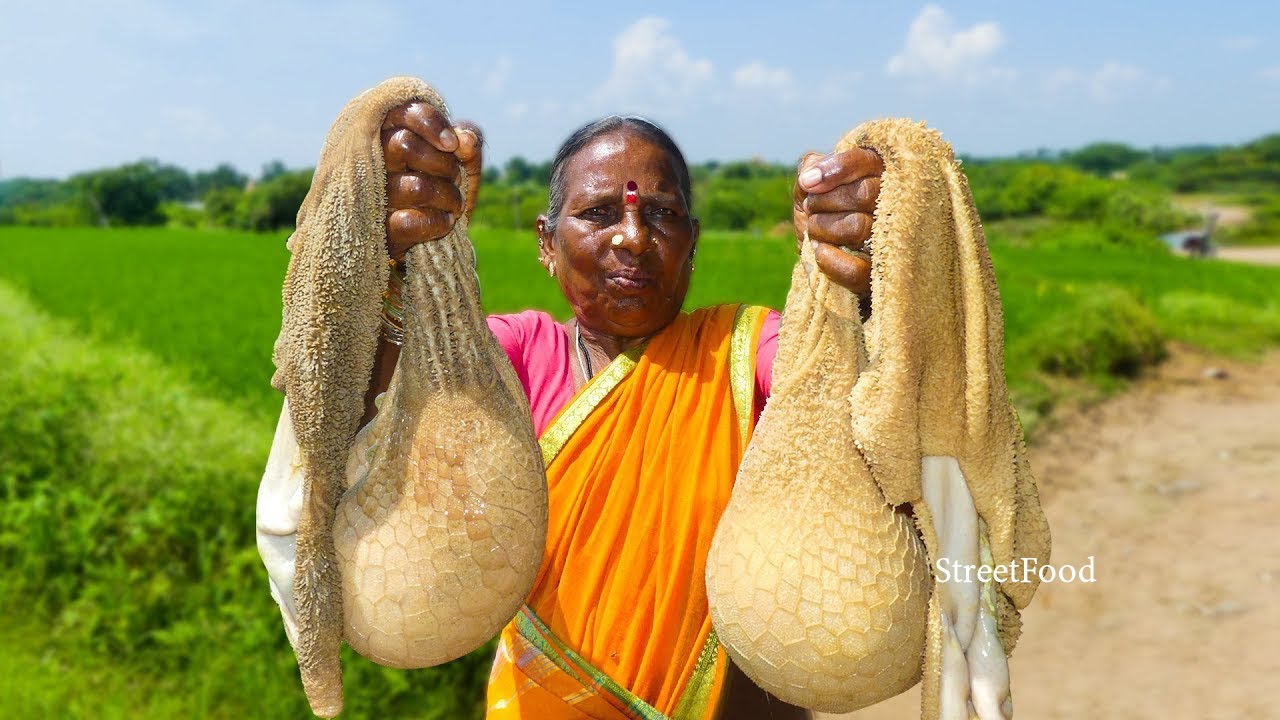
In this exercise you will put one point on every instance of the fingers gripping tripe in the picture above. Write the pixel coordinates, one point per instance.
(834, 612)
(430, 553)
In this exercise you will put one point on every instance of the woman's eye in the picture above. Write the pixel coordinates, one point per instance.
(597, 214)
(662, 212)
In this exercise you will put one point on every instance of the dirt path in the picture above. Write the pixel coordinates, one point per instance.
(1262, 255)
(1172, 489)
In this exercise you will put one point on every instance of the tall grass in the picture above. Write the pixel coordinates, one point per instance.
(204, 303)
(208, 303)
(127, 539)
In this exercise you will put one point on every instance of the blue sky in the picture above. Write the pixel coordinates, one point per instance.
(88, 85)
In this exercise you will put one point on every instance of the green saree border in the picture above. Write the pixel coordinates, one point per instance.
(571, 418)
(742, 364)
(531, 628)
(697, 693)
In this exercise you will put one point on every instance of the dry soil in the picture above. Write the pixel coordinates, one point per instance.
(1171, 489)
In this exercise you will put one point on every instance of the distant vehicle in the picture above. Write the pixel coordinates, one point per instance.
(1196, 243)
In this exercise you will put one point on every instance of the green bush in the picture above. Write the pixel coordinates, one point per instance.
(726, 208)
(1107, 332)
(507, 206)
(1079, 197)
(1077, 236)
(73, 213)
(1219, 323)
(128, 531)
(124, 493)
(1146, 209)
(221, 204)
(744, 195)
(1263, 225)
(182, 215)
(125, 195)
(273, 203)
(1029, 189)
(1104, 158)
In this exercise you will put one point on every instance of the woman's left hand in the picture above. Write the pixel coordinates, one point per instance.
(835, 203)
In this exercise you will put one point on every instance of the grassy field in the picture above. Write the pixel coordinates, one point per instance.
(208, 303)
(135, 415)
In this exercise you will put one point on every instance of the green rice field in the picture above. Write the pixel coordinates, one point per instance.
(207, 304)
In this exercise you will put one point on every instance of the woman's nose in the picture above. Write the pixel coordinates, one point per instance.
(631, 233)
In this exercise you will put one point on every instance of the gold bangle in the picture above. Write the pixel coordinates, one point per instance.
(392, 331)
(393, 303)
(391, 335)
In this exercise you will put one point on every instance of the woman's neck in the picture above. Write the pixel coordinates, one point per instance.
(592, 351)
(606, 346)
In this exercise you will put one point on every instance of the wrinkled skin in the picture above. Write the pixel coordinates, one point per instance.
(628, 291)
(834, 203)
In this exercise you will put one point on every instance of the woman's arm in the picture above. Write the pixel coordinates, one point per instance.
(384, 364)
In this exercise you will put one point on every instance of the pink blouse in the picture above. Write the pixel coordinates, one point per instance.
(539, 349)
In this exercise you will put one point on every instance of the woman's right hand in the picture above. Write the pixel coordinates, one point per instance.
(424, 157)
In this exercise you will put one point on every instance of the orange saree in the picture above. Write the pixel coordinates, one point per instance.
(639, 468)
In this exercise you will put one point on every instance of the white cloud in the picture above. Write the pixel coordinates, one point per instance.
(518, 110)
(1111, 81)
(1270, 73)
(1062, 78)
(193, 123)
(758, 76)
(935, 51)
(496, 79)
(652, 68)
(1240, 42)
(760, 81)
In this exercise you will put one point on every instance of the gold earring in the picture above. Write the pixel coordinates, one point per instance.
(551, 268)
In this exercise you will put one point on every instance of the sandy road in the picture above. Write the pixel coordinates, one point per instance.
(1174, 489)
(1261, 255)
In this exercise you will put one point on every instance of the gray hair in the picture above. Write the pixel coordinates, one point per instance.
(588, 133)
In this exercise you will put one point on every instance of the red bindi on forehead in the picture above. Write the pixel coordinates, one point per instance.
(632, 196)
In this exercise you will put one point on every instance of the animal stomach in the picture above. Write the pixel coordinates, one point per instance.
(820, 596)
(818, 587)
(441, 541)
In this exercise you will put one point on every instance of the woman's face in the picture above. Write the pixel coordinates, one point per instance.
(634, 286)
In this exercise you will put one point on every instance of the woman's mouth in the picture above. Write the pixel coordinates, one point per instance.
(629, 280)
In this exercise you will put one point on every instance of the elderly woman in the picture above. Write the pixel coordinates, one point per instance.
(644, 410)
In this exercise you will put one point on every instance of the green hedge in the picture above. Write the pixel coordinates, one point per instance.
(1111, 333)
(128, 532)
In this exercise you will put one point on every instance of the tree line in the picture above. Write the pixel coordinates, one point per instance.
(1105, 182)
(148, 192)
